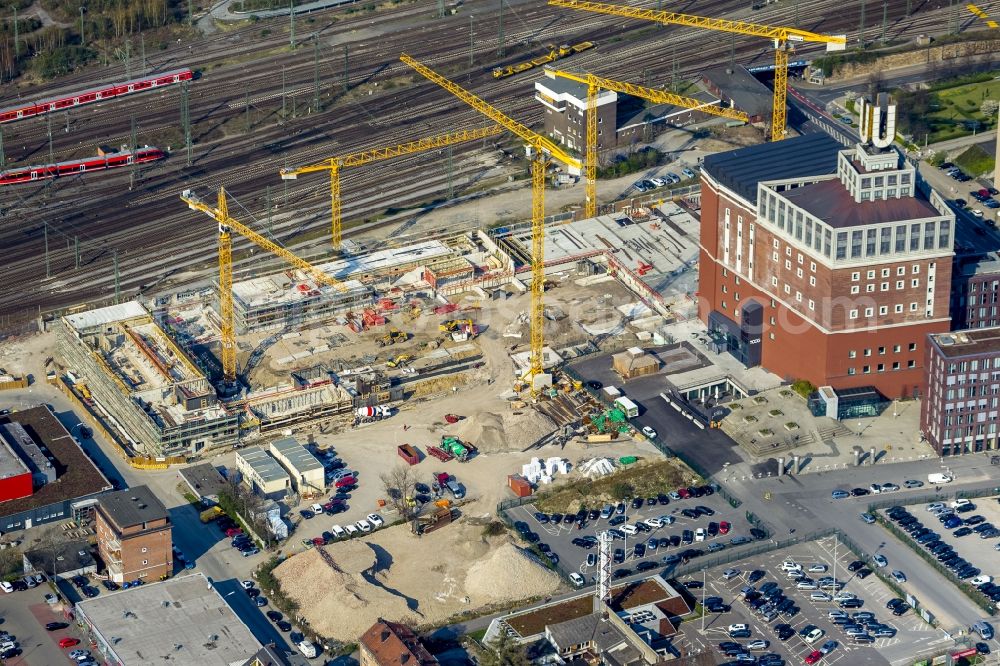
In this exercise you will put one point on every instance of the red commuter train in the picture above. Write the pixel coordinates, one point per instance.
(85, 165)
(107, 91)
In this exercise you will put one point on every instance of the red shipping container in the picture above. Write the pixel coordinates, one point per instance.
(519, 485)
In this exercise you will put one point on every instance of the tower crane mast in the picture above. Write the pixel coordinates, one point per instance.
(541, 146)
(228, 224)
(335, 164)
(782, 37)
(597, 83)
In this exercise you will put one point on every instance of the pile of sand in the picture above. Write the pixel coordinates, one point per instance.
(336, 600)
(493, 433)
(508, 574)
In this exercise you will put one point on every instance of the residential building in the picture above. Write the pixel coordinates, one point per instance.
(824, 264)
(393, 644)
(959, 412)
(134, 535)
(158, 397)
(975, 292)
(304, 469)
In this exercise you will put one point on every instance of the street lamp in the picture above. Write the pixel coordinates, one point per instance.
(83, 41)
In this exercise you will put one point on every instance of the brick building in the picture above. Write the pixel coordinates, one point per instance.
(393, 644)
(134, 535)
(823, 264)
(961, 406)
(975, 291)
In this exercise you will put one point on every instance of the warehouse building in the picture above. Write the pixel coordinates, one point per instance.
(153, 396)
(205, 482)
(72, 482)
(304, 469)
(181, 620)
(263, 473)
(959, 412)
(739, 88)
(824, 264)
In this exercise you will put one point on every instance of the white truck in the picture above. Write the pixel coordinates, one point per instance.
(938, 478)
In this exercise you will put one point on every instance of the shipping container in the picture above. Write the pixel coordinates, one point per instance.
(408, 453)
(519, 485)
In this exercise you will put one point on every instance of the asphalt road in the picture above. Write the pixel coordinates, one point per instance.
(712, 450)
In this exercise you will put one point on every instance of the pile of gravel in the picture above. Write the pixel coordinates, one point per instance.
(494, 433)
(508, 574)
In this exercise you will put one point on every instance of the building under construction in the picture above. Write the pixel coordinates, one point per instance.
(444, 266)
(142, 384)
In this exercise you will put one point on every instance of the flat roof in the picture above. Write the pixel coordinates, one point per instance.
(742, 169)
(10, 463)
(76, 474)
(742, 87)
(204, 479)
(831, 202)
(132, 506)
(64, 556)
(266, 467)
(973, 341)
(182, 620)
(297, 455)
(106, 315)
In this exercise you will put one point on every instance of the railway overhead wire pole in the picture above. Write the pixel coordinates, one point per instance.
(782, 37)
(542, 149)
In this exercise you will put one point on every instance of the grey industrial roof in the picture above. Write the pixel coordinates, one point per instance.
(132, 506)
(559, 85)
(181, 620)
(263, 464)
(799, 157)
(297, 455)
(740, 86)
(831, 202)
(204, 479)
(10, 463)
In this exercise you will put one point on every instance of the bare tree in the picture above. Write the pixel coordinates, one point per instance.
(400, 487)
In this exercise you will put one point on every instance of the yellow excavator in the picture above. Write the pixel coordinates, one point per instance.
(399, 361)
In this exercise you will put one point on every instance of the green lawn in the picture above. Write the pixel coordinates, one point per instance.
(954, 108)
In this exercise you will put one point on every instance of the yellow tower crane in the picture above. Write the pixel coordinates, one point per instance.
(597, 83)
(228, 224)
(782, 37)
(335, 164)
(541, 147)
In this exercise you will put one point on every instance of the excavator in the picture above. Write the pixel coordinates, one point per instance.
(392, 337)
(399, 361)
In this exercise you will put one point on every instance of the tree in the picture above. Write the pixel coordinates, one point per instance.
(504, 651)
(400, 484)
(989, 108)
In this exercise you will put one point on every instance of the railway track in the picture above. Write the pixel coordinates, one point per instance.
(151, 222)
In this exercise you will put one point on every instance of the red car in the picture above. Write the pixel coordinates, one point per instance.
(68, 641)
(233, 531)
(319, 541)
(345, 482)
(724, 527)
(684, 493)
(814, 657)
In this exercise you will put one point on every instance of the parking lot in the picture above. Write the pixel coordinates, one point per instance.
(24, 615)
(912, 635)
(959, 534)
(646, 549)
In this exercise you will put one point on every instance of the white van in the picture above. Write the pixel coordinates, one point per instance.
(938, 478)
(350, 529)
(576, 578)
(307, 649)
(338, 531)
(630, 530)
(790, 565)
